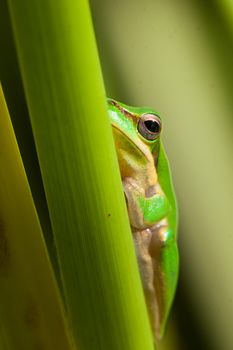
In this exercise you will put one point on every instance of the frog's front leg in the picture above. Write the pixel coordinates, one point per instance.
(145, 208)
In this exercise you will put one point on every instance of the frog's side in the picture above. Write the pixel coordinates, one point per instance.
(151, 205)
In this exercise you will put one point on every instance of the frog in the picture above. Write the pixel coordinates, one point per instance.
(151, 205)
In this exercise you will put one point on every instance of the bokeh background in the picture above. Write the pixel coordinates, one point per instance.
(176, 56)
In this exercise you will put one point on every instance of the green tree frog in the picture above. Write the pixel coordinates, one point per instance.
(151, 205)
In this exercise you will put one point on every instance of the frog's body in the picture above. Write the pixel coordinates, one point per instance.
(151, 205)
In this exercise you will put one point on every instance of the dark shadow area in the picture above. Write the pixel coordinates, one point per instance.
(190, 333)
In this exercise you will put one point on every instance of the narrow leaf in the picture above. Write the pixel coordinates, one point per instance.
(66, 99)
(31, 315)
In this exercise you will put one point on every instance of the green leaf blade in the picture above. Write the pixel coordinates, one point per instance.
(66, 99)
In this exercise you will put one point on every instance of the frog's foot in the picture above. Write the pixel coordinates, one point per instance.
(132, 192)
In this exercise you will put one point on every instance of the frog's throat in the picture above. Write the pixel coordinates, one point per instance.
(140, 146)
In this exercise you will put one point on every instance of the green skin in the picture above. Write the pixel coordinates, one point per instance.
(151, 207)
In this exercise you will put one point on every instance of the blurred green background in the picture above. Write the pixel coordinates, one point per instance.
(177, 56)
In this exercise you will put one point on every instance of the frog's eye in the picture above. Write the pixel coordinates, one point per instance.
(149, 126)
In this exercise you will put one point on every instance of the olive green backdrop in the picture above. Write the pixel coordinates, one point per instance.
(176, 56)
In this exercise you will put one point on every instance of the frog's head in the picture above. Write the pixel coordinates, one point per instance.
(137, 135)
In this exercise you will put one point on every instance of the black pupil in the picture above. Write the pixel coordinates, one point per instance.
(152, 125)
